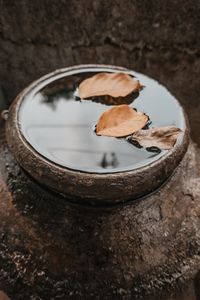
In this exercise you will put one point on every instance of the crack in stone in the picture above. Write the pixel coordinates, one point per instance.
(129, 47)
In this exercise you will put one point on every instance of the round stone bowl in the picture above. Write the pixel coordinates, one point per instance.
(96, 187)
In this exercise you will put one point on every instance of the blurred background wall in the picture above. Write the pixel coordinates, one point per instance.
(158, 37)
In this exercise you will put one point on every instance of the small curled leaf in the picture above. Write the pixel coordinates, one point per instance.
(161, 137)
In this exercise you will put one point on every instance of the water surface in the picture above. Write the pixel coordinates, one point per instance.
(61, 128)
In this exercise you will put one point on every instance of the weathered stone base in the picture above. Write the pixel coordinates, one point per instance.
(52, 249)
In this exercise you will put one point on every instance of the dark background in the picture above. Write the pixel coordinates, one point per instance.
(159, 38)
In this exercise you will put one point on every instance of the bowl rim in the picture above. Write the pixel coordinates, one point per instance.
(83, 184)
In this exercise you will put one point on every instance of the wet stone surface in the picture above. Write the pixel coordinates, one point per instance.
(146, 250)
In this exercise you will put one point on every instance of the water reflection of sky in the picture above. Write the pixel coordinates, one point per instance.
(65, 133)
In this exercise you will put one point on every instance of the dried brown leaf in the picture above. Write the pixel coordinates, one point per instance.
(120, 121)
(161, 137)
(110, 84)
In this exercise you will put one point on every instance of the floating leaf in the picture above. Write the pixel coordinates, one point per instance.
(111, 84)
(120, 121)
(161, 137)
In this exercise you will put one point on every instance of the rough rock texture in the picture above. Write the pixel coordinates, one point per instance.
(139, 251)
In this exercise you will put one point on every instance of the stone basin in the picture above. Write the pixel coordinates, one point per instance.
(55, 147)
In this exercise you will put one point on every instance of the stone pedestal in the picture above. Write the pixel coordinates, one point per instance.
(145, 250)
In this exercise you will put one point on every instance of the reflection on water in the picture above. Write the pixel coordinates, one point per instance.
(62, 129)
(109, 160)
